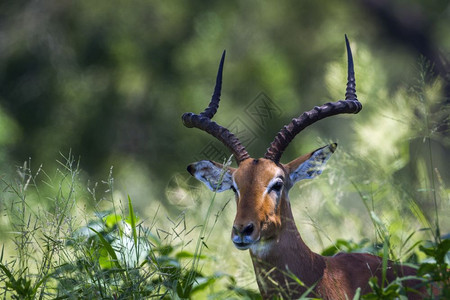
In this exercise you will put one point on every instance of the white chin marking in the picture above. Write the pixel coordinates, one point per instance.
(261, 248)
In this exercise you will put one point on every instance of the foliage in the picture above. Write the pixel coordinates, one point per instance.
(113, 256)
(436, 268)
(349, 246)
(433, 271)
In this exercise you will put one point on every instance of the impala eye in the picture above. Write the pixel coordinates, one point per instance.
(276, 187)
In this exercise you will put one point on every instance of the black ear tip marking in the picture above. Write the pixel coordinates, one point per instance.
(190, 169)
(333, 147)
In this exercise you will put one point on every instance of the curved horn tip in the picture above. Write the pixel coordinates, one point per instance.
(203, 120)
(222, 59)
(211, 110)
(351, 85)
(220, 71)
(347, 43)
(349, 53)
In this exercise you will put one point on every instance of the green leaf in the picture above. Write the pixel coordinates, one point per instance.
(111, 220)
(187, 254)
(426, 268)
(7, 272)
(165, 250)
(108, 248)
(183, 291)
(203, 282)
(441, 250)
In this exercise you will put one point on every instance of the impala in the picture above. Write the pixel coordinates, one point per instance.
(264, 223)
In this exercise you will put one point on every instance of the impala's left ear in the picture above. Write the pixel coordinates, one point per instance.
(310, 165)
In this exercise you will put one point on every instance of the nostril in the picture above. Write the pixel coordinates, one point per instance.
(235, 230)
(248, 230)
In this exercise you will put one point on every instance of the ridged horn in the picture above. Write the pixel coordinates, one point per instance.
(350, 105)
(203, 121)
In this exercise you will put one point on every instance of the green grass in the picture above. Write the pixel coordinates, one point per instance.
(51, 254)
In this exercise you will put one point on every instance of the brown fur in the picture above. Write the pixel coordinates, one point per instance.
(280, 257)
(335, 277)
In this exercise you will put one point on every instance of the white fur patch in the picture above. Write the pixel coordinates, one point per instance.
(261, 249)
(236, 187)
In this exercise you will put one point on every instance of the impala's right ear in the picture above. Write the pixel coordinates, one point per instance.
(212, 174)
(310, 165)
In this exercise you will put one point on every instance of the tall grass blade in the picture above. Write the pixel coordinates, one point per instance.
(133, 228)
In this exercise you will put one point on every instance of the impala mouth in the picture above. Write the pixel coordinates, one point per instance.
(244, 243)
(242, 246)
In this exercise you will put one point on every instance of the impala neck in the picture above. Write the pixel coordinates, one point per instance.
(286, 255)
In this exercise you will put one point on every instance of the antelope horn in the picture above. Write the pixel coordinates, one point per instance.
(350, 93)
(350, 105)
(203, 121)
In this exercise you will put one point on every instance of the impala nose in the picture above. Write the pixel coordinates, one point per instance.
(242, 235)
(243, 230)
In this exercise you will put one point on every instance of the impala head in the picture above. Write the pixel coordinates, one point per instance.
(261, 185)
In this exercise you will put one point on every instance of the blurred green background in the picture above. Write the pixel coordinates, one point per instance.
(109, 80)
